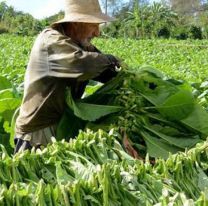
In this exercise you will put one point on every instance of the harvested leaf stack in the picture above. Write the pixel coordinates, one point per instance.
(153, 114)
(94, 170)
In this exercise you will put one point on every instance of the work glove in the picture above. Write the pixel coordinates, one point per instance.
(111, 70)
(113, 61)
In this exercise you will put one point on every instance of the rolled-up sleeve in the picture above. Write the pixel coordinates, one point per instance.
(68, 60)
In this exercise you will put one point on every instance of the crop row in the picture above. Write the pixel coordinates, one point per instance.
(180, 59)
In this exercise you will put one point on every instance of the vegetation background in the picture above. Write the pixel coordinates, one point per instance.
(140, 19)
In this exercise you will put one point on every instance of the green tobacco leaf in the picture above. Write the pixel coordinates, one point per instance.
(4, 83)
(197, 120)
(155, 90)
(6, 93)
(82, 172)
(159, 118)
(4, 140)
(7, 126)
(9, 104)
(173, 101)
(151, 71)
(177, 106)
(90, 112)
(7, 115)
(178, 142)
(47, 175)
(69, 125)
(158, 148)
(91, 89)
(92, 199)
(202, 180)
(104, 124)
(106, 90)
(62, 176)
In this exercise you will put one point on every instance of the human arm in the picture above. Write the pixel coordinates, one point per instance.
(67, 60)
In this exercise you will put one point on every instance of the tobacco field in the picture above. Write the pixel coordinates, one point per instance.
(140, 139)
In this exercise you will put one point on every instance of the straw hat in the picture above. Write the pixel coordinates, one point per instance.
(86, 11)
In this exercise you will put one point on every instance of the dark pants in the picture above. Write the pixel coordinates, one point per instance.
(21, 144)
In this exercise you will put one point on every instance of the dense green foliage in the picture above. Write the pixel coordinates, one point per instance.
(20, 23)
(180, 59)
(187, 59)
(94, 170)
(144, 19)
(156, 115)
(14, 56)
(135, 19)
(17, 22)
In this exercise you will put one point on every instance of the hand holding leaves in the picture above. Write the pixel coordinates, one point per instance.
(114, 61)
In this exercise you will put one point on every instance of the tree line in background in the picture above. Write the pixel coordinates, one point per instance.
(20, 23)
(139, 19)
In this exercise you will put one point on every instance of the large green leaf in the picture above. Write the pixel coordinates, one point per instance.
(6, 93)
(104, 93)
(91, 89)
(69, 126)
(62, 176)
(197, 120)
(174, 102)
(7, 115)
(157, 147)
(4, 140)
(178, 142)
(4, 83)
(103, 124)
(152, 88)
(90, 112)
(202, 180)
(84, 172)
(177, 106)
(9, 104)
(150, 71)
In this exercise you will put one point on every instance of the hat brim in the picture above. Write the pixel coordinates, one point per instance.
(86, 18)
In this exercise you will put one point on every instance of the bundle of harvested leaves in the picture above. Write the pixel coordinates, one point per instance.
(94, 170)
(153, 114)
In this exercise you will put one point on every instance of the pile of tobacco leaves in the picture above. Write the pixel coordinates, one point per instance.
(152, 114)
(94, 170)
(143, 142)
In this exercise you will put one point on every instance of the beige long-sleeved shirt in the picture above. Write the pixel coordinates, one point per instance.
(56, 62)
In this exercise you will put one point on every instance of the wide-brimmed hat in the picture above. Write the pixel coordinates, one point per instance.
(86, 11)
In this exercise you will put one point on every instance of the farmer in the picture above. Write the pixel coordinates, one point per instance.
(62, 56)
